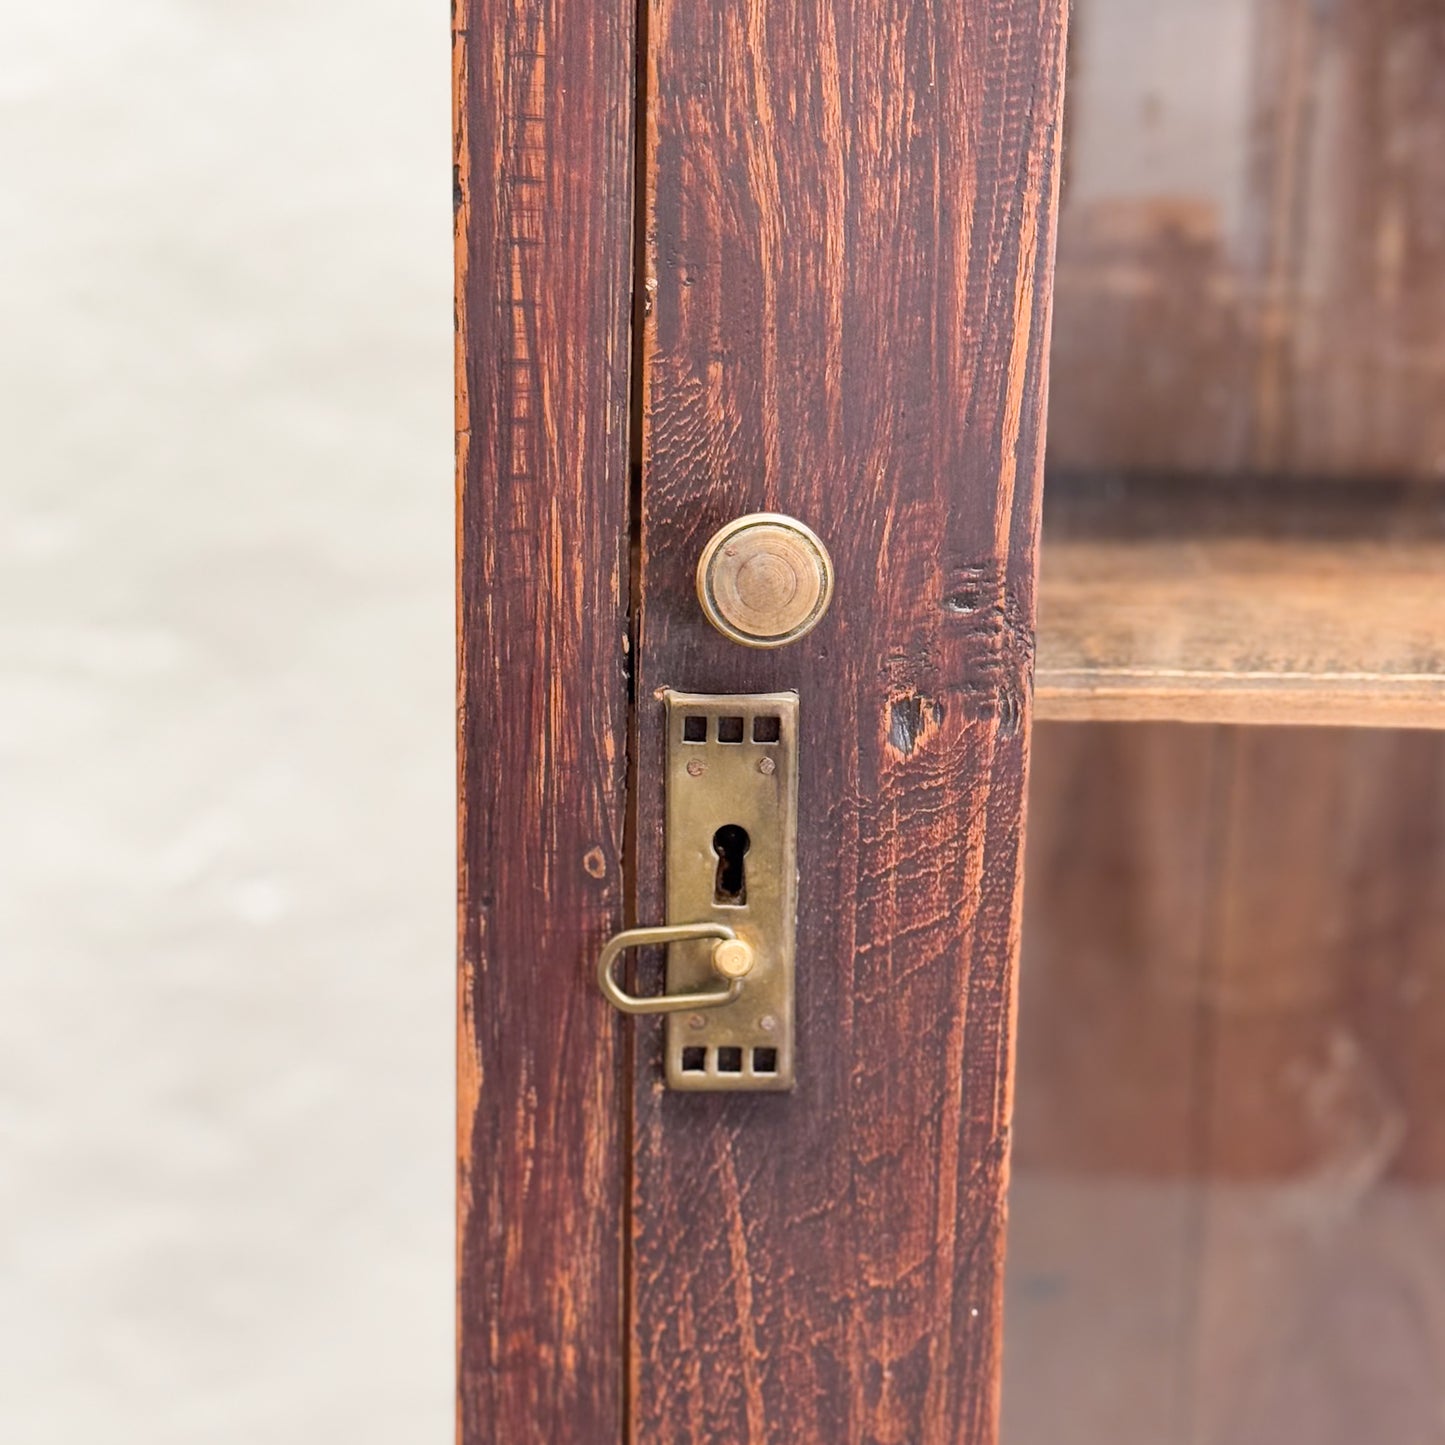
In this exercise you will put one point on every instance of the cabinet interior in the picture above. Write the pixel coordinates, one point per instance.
(1228, 1209)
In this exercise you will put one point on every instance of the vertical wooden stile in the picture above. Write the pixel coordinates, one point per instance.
(543, 192)
(849, 248)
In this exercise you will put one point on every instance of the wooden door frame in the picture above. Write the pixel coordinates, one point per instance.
(924, 160)
(543, 196)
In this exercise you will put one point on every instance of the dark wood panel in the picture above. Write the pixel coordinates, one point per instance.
(543, 191)
(849, 242)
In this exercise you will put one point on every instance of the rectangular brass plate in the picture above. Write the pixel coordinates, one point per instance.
(732, 857)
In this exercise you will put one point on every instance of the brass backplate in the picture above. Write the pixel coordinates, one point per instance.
(732, 857)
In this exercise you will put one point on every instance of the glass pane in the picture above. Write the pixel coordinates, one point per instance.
(1227, 1218)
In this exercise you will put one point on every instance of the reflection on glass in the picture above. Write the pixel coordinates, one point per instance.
(1227, 1218)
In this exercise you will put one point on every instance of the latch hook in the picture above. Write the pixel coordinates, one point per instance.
(732, 960)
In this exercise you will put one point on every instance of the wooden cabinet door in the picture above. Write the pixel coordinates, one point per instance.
(720, 257)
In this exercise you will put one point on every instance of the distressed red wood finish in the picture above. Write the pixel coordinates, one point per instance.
(544, 126)
(850, 240)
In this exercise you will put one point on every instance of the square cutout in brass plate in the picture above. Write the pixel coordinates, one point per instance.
(732, 857)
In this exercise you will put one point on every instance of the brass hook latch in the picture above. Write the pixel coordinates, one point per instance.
(732, 961)
(731, 865)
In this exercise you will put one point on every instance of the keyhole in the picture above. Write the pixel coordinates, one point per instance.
(731, 844)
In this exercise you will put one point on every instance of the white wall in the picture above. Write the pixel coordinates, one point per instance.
(225, 722)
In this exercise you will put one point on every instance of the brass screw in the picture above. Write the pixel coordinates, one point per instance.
(696, 768)
(767, 1023)
(696, 1021)
(767, 767)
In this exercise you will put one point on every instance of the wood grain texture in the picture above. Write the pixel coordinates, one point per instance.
(1246, 602)
(544, 95)
(1229, 1075)
(849, 248)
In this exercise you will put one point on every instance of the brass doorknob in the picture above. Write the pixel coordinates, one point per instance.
(764, 579)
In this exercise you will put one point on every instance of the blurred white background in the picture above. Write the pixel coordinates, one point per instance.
(226, 863)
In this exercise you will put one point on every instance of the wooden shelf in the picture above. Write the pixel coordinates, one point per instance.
(1232, 602)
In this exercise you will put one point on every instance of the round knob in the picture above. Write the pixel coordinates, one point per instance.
(764, 580)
